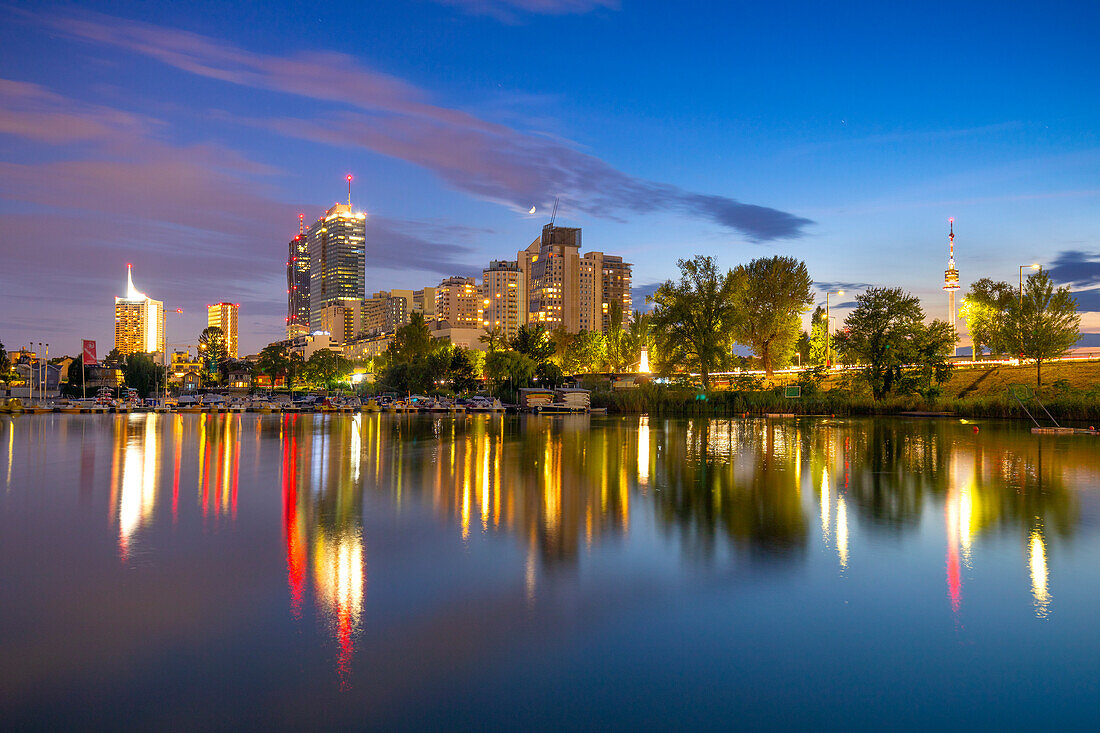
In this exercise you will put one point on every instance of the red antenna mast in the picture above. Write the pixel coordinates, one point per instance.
(301, 224)
(349, 190)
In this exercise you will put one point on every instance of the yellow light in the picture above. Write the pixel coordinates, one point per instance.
(1037, 561)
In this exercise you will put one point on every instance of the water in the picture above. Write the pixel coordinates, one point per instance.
(186, 571)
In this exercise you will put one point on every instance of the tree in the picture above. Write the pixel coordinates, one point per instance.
(985, 308)
(1045, 322)
(693, 319)
(885, 332)
(619, 352)
(509, 365)
(638, 336)
(494, 338)
(549, 374)
(932, 345)
(327, 367)
(213, 351)
(5, 365)
(412, 341)
(534, 341)
(819, 343)
(772, 294)
(586, 352)
(462, 372)
(114, 359)
(141, 373)
(273, 362)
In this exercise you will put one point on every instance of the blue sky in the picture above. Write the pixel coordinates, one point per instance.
(185, 137)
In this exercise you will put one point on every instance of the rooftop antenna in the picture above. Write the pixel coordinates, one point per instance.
(301, 225)
(349, 190)
(554, 215)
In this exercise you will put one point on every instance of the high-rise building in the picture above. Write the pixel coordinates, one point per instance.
(384, 312)
(224, 316)
(604, 282)
(554, 278)
(504, 297)
(139, 321)
(341, 320)
(337, 259)
(297, 284)
(458, 302)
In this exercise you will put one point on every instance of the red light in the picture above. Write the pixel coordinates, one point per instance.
(952, 220)
(349, 177)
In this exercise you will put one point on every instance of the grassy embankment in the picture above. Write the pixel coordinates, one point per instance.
(1071, 391)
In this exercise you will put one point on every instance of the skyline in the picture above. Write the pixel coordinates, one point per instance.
(189, 150)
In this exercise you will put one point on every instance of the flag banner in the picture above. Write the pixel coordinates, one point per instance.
(89, 352)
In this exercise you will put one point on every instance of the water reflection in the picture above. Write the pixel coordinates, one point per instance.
(716, 491)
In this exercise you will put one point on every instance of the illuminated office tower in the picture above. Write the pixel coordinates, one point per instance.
(337, 258)
(139, 321)
(224, 316)
(552, 266)
(458, 302)
(297, 284)
(504, 297)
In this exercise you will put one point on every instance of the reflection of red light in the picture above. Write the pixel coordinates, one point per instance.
(295, 551)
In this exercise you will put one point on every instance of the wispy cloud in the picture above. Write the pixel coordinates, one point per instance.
(389, 116)
(511, 11)
(1080, 269)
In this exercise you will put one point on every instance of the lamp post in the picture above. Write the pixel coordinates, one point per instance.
(178, 311)
(828, 340)
(1033, 267)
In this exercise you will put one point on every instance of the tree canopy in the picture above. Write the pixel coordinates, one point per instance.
(693, 319)
(1044, 323)
(886, 334)
(772, 293)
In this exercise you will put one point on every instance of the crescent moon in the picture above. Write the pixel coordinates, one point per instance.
(532, 211)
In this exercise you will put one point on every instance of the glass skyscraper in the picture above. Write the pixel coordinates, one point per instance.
(337, 259)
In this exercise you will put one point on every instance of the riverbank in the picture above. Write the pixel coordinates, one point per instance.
(668, 400)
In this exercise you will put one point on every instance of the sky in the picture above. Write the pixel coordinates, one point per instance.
(186, 138)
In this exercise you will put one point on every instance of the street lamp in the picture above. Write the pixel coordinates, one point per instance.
(178, 311)
(828, 341)
(1033, 267)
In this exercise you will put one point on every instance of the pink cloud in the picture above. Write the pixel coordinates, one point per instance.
(392, 117)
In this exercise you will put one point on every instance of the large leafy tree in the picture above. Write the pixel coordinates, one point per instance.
(213, 351)
(586, 352)
(327, 367)
(412, 341)
(1044, 323)
(462, 371)
(693, 319)
(516, 367)
(986, 310)
(141, 373)
(273, 362)
(886, 333)
(931, 348)
(534, 341)
(772, 294)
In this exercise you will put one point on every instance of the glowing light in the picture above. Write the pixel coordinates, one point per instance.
(1037, 563)
(643, 365)
(842, 532)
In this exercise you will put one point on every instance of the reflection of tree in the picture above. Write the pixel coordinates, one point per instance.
(734, 477)
(892, 465)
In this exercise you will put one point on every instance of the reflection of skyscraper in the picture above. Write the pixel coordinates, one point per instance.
(224, 316)
(322, 522)
(139, 321)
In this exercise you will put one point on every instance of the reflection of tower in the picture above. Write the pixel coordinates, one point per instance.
(951, 276)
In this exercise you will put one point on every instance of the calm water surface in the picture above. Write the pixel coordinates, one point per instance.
(185, 571)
